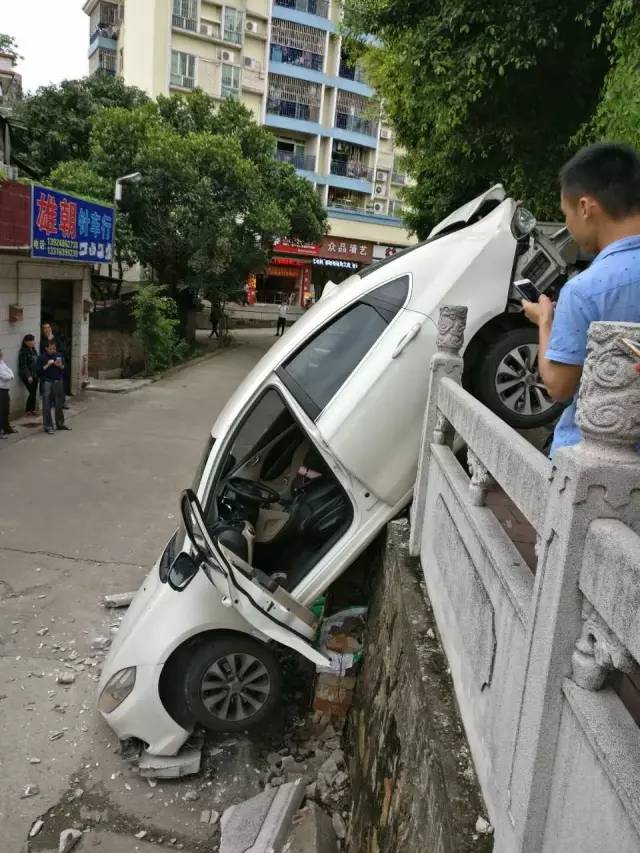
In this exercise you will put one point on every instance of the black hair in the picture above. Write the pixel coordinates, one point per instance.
(27, 338)
(608, 171)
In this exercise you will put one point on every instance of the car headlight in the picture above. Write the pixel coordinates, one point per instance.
(117, 689)
(523, 223)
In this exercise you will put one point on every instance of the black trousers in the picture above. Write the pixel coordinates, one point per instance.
(282, 325)
(4, 410)
(32, 394)
(52, 396)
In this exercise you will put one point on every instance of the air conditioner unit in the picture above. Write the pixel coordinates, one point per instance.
(251, 26)
(250, 62)
(378, 207)
(207, 30)
(385, 133)
(379, 189)
(381, 176)
(226, 56)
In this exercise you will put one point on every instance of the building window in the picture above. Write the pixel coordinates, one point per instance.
(230, 81)
(185, 14)
(183, 69)
(233, 19)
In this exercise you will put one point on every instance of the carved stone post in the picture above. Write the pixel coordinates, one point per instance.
(446, 361)
(592, 480)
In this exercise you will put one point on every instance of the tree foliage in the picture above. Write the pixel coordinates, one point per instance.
(156, 319)
(212, 198)
(57, 120)
(481, 92)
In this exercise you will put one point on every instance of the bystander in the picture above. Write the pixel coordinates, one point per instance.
(600, 198)
(51, 372)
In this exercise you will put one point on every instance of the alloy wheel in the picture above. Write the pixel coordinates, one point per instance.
(235, 687)
(519, 384)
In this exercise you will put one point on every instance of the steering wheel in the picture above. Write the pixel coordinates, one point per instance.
(253, 491)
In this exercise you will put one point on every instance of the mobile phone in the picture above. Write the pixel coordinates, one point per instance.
(527, 289)
(632, 346)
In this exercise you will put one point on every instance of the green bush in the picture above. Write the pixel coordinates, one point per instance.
(156, 318)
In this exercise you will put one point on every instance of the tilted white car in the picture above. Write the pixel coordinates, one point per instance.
(314, 453)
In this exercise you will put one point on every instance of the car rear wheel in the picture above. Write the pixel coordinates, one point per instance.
(232, 683)
(508, 381)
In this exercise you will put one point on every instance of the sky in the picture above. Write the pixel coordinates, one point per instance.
(53, 37)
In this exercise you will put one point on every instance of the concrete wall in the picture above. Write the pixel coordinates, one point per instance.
(21, 283)
(412, 777)
(537, 659)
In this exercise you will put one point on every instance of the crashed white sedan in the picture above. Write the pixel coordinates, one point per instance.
(314, 453)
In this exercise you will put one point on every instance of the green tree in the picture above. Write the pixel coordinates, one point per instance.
(8, 44)
(155, 315)
(57, 120)
(618, 112)
(481, 92)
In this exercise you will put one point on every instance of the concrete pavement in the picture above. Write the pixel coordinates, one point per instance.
(82, 514)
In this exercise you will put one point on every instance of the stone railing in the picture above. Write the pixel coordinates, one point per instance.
(536, 657)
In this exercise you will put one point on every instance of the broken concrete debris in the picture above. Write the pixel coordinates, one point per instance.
(68, 840)
(339, 826)
(118, 599)
(29, 791)
(483, 827)
(186, 763)
(36, 826)
(262, 823)
(209, 816)
(65, 678)
(311, 832)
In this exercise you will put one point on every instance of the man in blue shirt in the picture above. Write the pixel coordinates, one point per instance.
(600, 198)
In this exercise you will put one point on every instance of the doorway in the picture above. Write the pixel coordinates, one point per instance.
(56, 307)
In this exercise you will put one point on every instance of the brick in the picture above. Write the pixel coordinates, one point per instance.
(336, 709)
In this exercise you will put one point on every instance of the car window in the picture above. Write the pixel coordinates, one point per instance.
(316, 372)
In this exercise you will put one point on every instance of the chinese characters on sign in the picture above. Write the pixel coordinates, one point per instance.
(336, 248)
(330, 262)
(70, 229)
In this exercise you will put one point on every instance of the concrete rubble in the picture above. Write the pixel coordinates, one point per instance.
(186, 763)
(311, 832)
(118, 599)
(261, 824)
(68, 840)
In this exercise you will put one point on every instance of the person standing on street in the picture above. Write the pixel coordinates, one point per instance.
(51, 373)
(48, 335)
(28, 372)
(6, 378)
(600, 198)
(282, 318)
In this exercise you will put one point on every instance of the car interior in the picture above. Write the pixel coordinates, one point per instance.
(276, 504)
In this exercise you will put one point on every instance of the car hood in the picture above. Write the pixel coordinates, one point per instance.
(463, 215)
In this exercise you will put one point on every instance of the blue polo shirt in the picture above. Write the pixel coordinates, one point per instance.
(608, 290)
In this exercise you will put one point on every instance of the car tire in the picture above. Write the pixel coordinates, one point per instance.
(232, 683)
(507, 381)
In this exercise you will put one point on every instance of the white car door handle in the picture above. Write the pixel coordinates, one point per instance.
(406, 340)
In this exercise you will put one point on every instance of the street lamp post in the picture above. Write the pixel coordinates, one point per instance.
(133, 178)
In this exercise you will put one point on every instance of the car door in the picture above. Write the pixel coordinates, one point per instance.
(363, 379)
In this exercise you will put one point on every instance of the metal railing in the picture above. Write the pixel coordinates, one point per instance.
(351, 72)
(399, 178)
(299, 161)
(352, 169)
(396, 208)
(311, 7)
(294, 56)
(182, 23)
(357, 124)
(182, 81)
(232, 35)
(292, 109)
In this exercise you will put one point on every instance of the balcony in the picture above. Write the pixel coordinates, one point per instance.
(181, 81)
(182, 23)
(294, 56)
(103, 61)
(396, 208)
(351, 72)
(306, 162)
(399, 178)
(292, 109)
(311, 7)
(352, 169)
(356, 124)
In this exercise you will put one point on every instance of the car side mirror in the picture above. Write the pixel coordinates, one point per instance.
(183, 570)
(195, 525)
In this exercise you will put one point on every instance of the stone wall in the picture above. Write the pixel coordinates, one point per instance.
(413, 782)
(111, 349)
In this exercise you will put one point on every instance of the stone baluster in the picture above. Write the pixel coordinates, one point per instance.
(591, 480)
(481, 480)
(445, 362)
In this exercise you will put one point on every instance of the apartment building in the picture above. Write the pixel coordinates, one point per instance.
(284, 59)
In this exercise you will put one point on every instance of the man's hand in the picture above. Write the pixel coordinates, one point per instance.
(539, 313)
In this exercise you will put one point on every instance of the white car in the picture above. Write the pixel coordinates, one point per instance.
(314, 453)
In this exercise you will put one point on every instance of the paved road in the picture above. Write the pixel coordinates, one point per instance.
(82, 514)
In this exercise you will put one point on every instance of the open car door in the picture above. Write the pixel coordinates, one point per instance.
(260, 600)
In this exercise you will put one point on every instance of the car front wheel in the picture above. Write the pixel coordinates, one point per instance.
(232, 683)
(508, 381)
